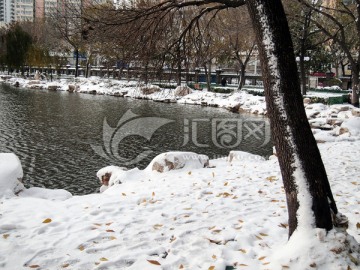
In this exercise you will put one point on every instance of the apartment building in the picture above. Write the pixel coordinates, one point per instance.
(7, 11)
(24, 10)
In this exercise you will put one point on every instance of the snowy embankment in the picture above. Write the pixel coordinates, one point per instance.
(132, 89)
(228, 214)
(184, 211)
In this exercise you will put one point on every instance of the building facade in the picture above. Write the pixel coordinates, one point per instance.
(7, 11)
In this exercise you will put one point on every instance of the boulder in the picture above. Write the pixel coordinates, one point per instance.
(72, 88)
(178, 160)
(53, 87)
(111, 175)
(342, 130)
(355, 112)
(307, 101)
(11, 174)
(149, 89)
(182, 91)
(37, 75)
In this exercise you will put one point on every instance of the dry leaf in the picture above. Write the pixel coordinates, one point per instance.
(113, 238)
(283, 225)
(216, 231)
(358, 225)
(214, 257)
(181, 266)
(189, 173)
(81, 248)
(157, 226)
(213, 174)
(258, 237)
(243, 264)
(271, 178)
(261, 258)
(103, 259)
(211, 268)
(153, 194)
(274, 200)
(5, 236)
(34, 266)
(354, 183)
(154, 262)
(65, 265)
(110, 230)
(97, 224)
(48, 220)
(263, 234)
(226, 183)
(124, 194)
(242, 250)
(285, 266)
(213, 227)
(108, 224)
(218, 242)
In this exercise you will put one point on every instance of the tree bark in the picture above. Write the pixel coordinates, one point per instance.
(355, 85)
(76, 62)
(305, 181)
(241, 76)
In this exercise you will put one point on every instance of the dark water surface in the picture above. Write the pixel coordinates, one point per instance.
(54, 134)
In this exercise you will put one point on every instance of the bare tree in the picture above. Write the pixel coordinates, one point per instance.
(236, 29)
(304, 176)
(342, 26)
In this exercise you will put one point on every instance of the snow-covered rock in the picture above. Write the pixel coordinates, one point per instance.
(11, 174)
(178, 160)
(352, 126)
(182, 90)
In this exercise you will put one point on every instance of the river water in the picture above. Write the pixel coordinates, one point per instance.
(63, 139)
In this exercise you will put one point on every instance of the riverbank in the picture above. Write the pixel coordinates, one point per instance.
(229, 215)
(329, 123)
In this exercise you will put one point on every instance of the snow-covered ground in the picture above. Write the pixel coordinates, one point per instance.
(229, 215)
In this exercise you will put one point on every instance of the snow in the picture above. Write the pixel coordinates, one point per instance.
(11, 174)
(231, 212)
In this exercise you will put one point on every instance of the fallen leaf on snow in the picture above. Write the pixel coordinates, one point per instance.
(154, 262)
(48, 220)
(5, 236)
(103, 259)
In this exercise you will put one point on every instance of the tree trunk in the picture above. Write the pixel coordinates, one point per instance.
(76, 62)
(178, 75)
(305, 181)
(241, 76)
(355, 85)
(208, 76)
(302, 73)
